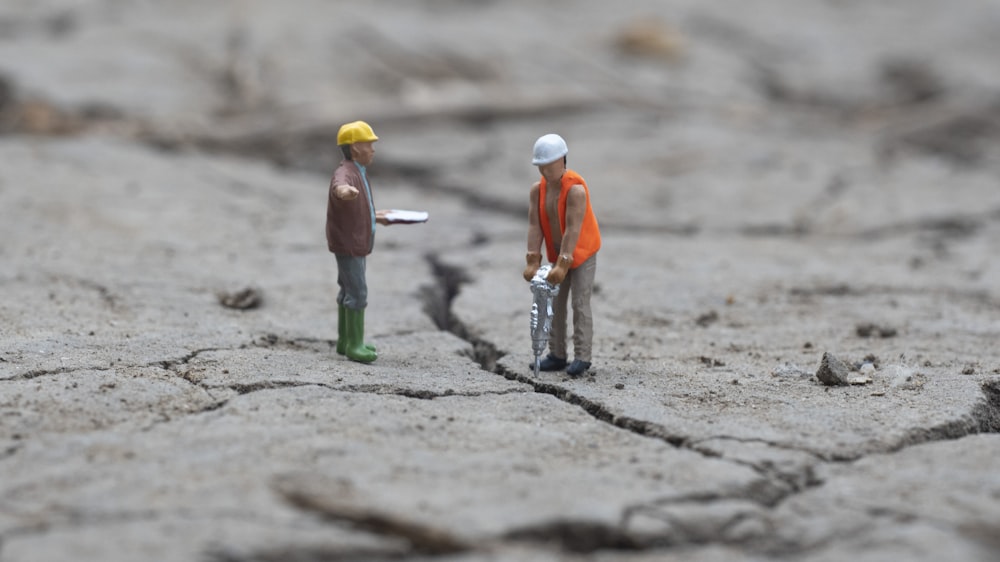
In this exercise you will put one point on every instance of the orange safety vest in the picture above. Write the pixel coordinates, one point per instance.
(590, 236)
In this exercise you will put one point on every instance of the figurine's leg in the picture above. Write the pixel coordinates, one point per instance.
(583, 320)
(341, 318)
(352, 277)
(557, 338)
(341, 329)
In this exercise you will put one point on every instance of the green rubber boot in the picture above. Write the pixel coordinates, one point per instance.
(342, 335)
(356, 349)
(341, 329)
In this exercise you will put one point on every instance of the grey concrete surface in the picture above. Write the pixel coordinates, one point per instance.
(774, 182)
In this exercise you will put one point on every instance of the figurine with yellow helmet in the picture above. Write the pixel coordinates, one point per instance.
(350, 234)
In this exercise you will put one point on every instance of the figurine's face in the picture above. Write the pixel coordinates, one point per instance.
(553, 170)
(363, 152)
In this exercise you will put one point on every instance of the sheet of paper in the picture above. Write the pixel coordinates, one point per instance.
(400, 216)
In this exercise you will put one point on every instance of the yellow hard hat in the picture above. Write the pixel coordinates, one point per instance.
(358, 131)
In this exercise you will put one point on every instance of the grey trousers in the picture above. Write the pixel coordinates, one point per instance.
(351, 279)
(580, 282)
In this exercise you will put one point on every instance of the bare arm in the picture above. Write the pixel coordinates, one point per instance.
(534, 226)
(534, 256)
(576, 208)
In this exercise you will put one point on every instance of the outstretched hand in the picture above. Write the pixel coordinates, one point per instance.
(345, 192)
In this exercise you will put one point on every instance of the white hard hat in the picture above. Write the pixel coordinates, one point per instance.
(549, 148)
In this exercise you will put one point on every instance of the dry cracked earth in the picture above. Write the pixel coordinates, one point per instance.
(776, 182)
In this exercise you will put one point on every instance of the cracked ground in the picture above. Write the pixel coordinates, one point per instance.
(773, 185)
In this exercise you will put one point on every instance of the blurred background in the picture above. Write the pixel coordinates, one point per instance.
(688, 115)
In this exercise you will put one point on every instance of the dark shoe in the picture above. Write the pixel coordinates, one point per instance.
(550, 363)
(577, 368)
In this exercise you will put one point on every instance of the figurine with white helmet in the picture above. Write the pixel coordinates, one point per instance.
(560, 215)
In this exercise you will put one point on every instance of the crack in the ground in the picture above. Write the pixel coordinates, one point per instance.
(271, 340)
(774, 487)
(577, 536)
(28, 375)
(738, 524)
(672, 525)
(438, 298)
(790, 481)
(569, 535)
(383, 389)
(946, 227)
(768, 442)
(311, 554)
(76, 519)
(107, 297)
(423, 539)
(420, 394)
(177, 366)
(845, 290)
(174, 364)
(596, 409)
(247, 388)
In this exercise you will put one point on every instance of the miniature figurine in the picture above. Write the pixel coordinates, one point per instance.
(350, 235)
(559, 213)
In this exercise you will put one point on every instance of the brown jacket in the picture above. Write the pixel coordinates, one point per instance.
(349, 223)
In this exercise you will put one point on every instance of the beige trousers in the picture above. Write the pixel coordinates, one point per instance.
(579, 282)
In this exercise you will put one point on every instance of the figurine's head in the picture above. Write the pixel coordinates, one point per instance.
(356, 141)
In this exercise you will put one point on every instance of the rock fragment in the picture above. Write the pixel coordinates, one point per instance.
(865, 376)
(790, 370)
(868, 329)
(243, 299)
(707, 319)
(650, 38)
(905, 378)
(832, 371)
